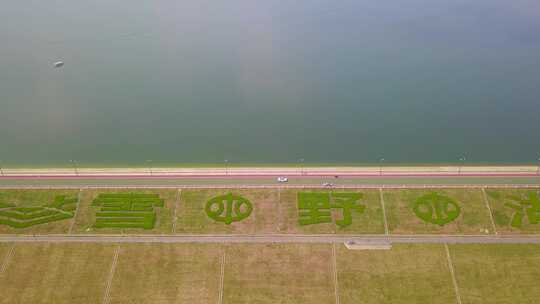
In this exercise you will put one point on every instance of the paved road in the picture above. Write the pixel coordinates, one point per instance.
(255, 174)
(266, 177)
(276, 238)
(267, 182)
(246, 185)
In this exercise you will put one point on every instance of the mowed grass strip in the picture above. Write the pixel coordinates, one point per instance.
(4, 249)
(87, 222)
(27, 200)
(473, 218)
(505, 205)
(405, 274)
(56, 273)
(370, 221)
(497, 273)
(278, 273)
(166, 273)
(192, 217)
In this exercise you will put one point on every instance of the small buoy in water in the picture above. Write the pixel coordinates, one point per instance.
(58, 64)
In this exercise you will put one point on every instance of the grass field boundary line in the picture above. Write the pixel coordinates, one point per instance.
(272, 186)
(451, 267)
(486, 200)
(334, 272)
(76, 212)
(278, 228)
(106, 296)
(7, 258)
(221, 276)
(381, 195)
(175, 212)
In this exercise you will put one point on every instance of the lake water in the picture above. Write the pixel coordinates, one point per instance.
(196, 81)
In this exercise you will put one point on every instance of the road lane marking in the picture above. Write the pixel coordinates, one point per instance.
(451, 266)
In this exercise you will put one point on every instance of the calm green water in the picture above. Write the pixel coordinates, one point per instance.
(200, 81)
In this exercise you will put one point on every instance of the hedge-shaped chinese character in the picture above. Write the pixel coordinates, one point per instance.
(126, 210)
(21, 217)
(436, 209)
(316, 208)
(528, 207)
(228, 208)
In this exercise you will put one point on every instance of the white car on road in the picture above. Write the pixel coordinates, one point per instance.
(282, 179)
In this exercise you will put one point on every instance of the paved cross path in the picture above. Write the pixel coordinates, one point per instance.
(277, 238)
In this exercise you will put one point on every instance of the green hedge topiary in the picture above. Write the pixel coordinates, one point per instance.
(436, 209)
(21, 217)
(126, 210)
(230, 208)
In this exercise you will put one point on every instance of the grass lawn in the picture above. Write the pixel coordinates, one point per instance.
(503, 202)
(192, 217)
(36, 198)
(56, 273)
(167, 273)
(4, 248)
(405, 274)
(269, 273)
(497, 273)
(86, 217)
(272, 273)
(370, 221)
(473, 217)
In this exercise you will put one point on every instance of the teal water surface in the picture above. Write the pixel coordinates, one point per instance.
(197, 81)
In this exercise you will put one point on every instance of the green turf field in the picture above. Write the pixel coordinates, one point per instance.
(265, 273)
(368, 221)
(497, 273)
(404, 274)
(166, 273)
(4, 248)
(192, 217)
(269, 211)
(515, 210)
(37, 211)
(56, 273)
(473, 217)
(91, 211)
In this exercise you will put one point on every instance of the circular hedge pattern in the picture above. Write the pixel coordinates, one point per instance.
(228, 208)
(436, 209)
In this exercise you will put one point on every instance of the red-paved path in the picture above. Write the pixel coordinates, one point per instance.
(255, 173)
